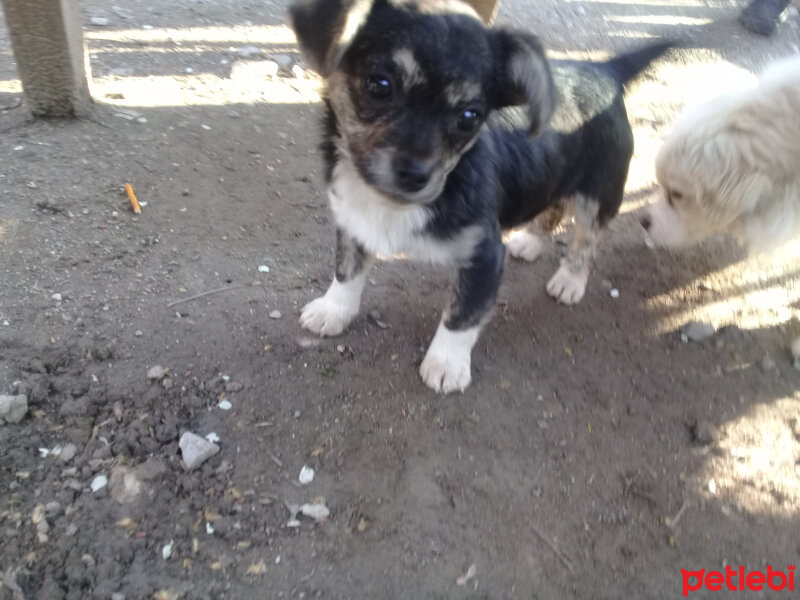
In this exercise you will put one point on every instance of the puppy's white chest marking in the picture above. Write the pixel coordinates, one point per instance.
(387, 229)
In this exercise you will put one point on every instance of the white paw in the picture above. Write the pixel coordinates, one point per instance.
(332, 313)
(526, 246)
(325, 317)
(443, 374)
(567, 287)
(446, 367)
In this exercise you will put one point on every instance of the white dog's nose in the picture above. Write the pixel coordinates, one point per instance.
(646, 222)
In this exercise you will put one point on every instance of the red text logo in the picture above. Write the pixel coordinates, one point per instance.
(737, 580)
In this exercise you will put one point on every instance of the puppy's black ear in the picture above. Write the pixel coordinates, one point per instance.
(523, 76)
(324, 28)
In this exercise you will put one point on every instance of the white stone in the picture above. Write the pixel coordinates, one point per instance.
(306, 475)
(318, 512)
(98, 483)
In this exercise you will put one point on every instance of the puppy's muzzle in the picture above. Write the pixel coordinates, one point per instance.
(411, 175)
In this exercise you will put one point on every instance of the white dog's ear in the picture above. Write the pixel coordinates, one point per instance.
(523, 76)
(728, 193)
(324, 29)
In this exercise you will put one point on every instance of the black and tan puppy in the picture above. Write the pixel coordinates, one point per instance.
(414, 168)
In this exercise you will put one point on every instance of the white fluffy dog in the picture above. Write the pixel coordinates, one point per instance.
(732, 165)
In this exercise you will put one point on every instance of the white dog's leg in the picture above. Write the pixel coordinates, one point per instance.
(446, 367)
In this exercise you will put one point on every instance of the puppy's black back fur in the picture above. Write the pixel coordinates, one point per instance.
(586, 149)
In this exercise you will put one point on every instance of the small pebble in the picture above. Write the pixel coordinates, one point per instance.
(98, 483)
(54, 509)
(306, 475)
(249, 52)
(796, 353)
(56, 297)
(695, 331)
(157, 373)
(318, 512)
(166, 551)
(275, 314)
(263, 269)
(225, 405)
(68, 452)
(705, 433)
(614, 293)
(283, 60)
(99, 21)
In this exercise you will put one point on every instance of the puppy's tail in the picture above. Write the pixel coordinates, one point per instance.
(625, 67)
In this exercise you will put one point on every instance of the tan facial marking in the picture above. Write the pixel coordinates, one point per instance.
(410, 71)
(463, 92)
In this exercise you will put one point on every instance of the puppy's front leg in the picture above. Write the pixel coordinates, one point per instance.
(330, 314)
(446, 367)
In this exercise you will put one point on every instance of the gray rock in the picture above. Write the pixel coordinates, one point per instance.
(76, 407)
(125, 487)
(284, 60)
(233, 386)
(195, 450)
(126, 484)
(13, 408)
(68, 452)
(157, 373)
(250, 52)
(705, 433)
(696, 331)
(54, 509)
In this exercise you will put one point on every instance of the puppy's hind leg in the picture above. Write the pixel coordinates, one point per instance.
(330, 314)
(529, 244)
(568, 285)
(447, 364)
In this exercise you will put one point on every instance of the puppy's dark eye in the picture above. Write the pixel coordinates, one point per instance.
(378, 86)
(468, 121)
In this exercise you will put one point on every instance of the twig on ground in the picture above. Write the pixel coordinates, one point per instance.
(561, 556)
(202, 294)
(275, 459)
(672, 522)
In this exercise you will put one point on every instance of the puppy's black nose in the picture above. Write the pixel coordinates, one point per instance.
(411, 175)
(646, 222)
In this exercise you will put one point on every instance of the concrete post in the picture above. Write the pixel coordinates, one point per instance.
(47, 41)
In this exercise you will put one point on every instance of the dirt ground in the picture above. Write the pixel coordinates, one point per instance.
(594, 456)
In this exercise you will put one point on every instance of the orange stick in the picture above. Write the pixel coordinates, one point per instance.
(132, 197)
